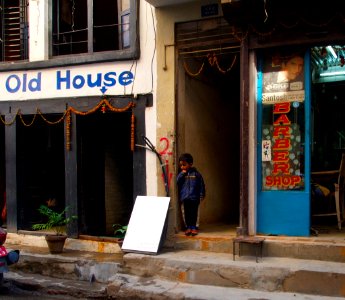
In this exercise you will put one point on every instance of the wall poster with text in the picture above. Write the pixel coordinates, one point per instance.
(283, 121)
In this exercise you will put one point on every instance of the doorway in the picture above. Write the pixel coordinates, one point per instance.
(328, 136)
(208, 116)
(3, 207)
(298, 170)
(40, 168)
(105, 172)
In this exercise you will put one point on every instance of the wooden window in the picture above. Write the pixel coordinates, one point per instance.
(88, 26)
(14, 30)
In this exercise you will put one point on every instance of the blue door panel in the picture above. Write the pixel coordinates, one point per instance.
(285, 212)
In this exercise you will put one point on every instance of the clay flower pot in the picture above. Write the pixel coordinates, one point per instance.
(56, 243)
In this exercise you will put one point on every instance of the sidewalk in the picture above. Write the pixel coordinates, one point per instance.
(199, 267)
(136, 288)
(174, 274)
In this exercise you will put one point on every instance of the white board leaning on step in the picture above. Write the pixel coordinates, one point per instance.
(146, 225)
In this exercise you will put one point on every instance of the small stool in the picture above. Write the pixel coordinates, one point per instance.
(252, 240)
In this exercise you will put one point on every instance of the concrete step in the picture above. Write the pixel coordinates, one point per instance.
(315, 248)
(38, 285)
(71, 264)
(197, 268)
(271, 274)
(124, 286)
(323, 247)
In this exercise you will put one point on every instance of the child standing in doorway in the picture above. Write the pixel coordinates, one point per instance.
(191, 189)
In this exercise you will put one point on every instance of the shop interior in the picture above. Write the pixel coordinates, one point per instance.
(208, 117)
(327, 138)
(104, 164)
(105, 171)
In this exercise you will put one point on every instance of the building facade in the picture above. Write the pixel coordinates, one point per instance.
(76, 98)
(252, 91)
(256, 89)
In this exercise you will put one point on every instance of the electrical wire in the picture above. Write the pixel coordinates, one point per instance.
(154, 50)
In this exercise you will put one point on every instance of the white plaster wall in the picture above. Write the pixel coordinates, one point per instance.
(165, 94)
(144, 70)
(38, 30)
(147, 68)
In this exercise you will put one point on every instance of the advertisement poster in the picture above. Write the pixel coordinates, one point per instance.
(283, 121)
(283, 78)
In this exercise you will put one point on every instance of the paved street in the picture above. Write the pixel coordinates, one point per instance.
(8, 292)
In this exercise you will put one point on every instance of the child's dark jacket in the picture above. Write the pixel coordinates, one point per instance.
(190, 185)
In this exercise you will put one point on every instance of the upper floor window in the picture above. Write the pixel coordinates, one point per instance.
(88, 26)
(14, 33)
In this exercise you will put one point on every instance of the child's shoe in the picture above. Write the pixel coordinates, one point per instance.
(194, 232)
(188, 232)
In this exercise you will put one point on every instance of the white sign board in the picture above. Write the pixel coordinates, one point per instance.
(73, 81)
(146, 224)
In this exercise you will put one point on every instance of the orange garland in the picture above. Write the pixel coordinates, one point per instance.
(68, 130)
(103, 102)
(132, 131)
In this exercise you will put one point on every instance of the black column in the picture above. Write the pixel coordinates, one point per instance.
(244, 141)
(71, 179)
(11, 173)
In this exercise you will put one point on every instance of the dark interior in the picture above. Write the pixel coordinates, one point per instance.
(2, 176)
(105, 172)
(40, 167)
(327, 131)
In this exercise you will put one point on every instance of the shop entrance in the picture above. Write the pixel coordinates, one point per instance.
(208, 114)
(283, 201)
(105, 172)
(327, 138)
(40, 168)
(3, 208)
(301, 137)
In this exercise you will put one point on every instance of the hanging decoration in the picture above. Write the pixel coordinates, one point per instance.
(109, 107)
(104, 105)
(212, 59)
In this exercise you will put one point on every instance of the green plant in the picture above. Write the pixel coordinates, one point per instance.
(56, 221)
(120, 230)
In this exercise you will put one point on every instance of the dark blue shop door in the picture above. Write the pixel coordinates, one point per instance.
(283, 199)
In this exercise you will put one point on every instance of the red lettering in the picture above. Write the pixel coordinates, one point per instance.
(281, 168)
(283, 180)
(281, 108)
(280, 156)
(282, 120)
(277, 180)
(269, 180)
(281, 130)
(296, 179)
(282, 144)
(286, 180)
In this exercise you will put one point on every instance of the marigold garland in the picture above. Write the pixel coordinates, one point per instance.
(213, 61)
(8, 123)
(26, 124)
(132, 131)
(68, 130)
(101, 105)
(104, 104)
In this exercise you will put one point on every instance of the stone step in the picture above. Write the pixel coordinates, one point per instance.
(36, 285)
(270, 274)
(124, 286)
(315, 248)
(134, 287)
(197, 268)
(71, 264)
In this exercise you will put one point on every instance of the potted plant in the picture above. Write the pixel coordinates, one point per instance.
(56, 221)
(120, 232)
